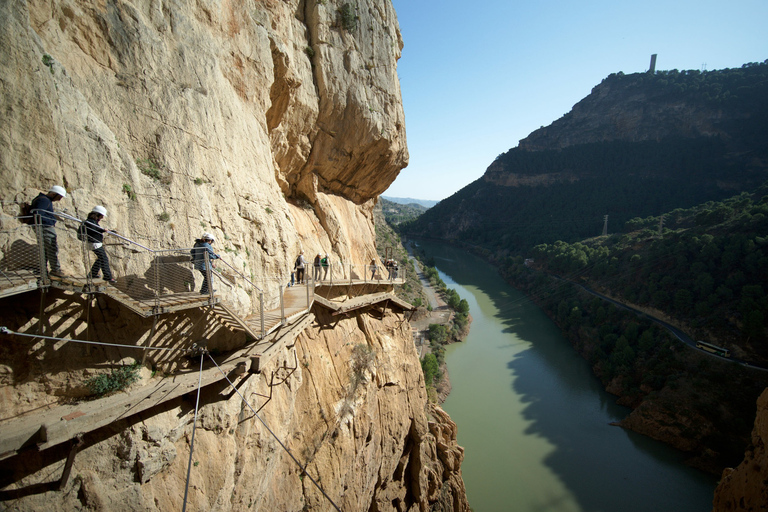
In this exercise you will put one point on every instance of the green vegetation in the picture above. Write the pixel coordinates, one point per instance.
(388, 244)
(708, 270)
(127, 190)
(431, 368)
(116, 380)
(309, 51)
(708, 273)
(48, 61)
(150, 168)
(396, 213)
(164, 217)
(348, 17)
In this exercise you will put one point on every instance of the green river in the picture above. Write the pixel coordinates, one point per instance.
(534, 420)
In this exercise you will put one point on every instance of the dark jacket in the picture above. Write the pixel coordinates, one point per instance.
(198, 254)
(43, 206)
(93, 231)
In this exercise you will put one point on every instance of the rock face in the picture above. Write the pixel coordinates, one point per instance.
(266, 121)
(274, 125)
(746, 486)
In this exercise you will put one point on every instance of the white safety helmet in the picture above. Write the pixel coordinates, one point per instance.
(208, 236)
(59, 190)
(100, 210)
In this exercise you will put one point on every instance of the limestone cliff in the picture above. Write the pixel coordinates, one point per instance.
(273, 124)
(746, 486)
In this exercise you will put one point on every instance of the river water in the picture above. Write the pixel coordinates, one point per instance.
(534, 421)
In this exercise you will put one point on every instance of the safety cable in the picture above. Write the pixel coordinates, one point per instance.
(194, 427)
(5, 330)
(303, 468)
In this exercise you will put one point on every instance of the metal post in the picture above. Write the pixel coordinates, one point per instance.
(313, 285)
(43, 262)
(261, 312)
(156, 264)
(282, 309)
(209, 275)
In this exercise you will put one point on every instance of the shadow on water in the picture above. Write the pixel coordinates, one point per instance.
(604, 467)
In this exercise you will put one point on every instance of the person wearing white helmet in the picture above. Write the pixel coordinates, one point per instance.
(201, 247)
(42, 207)
(93, 234)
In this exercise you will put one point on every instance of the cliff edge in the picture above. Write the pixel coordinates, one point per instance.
(273, 125)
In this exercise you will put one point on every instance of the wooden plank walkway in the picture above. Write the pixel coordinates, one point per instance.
(46, 429)
(294, 305)
(356, 281)
(342, 308)
(160, 305)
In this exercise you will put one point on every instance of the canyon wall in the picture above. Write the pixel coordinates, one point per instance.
(746, 486)
(274, 125)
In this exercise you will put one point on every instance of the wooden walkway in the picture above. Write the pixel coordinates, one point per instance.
(344, 308)
(42, 430)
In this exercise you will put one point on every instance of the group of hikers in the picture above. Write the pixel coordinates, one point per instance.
(93, 234)
(321, 264)
(389, 264)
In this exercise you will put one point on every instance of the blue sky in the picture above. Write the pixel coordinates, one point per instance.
(477, 77)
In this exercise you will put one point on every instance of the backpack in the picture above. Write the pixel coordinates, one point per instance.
(82, 232)
(298, 262)
(25, 211)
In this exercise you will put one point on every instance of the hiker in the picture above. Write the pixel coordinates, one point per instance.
(93, 234)
(42, 205)
(393, 269)
(299, 268)
(374, 268)
(388, 266)
(203, 246)
(316, 264)
(325, 262)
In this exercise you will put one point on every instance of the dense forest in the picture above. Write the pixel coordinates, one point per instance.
(528, 197)
(706, 272)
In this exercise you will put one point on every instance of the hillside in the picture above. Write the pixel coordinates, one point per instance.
(395, 213)
(705, 275)
(638, 145)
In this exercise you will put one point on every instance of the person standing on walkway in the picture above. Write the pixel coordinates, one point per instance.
(325, 263)
(42, 205)
(299, 268)
(201, 247)
(374, 268)
(316, 265)
(93, 234)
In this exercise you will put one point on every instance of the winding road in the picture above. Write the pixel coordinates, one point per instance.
(680, 335)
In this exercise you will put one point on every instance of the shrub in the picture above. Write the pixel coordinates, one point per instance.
(116, 380)
(348, 17)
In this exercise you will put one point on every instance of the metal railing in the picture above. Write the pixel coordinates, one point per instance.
(376, 274)
(154, 276)
(20, 252)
